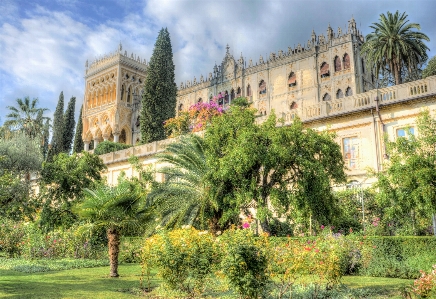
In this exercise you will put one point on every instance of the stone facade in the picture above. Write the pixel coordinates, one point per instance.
(113, 89)
(324, 83)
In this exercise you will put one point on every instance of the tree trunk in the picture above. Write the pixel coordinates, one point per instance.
(113, 238)
(397, 73)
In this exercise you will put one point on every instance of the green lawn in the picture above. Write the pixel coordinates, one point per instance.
(94, 283)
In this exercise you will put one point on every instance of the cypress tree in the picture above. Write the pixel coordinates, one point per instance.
(69, 123)
(57, 141)
(78, 141)
(160, 90)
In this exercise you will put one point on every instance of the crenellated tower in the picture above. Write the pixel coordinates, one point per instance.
(113, 90)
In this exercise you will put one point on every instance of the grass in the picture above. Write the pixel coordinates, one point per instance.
(94, 283)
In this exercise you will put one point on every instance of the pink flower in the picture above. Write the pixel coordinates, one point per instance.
(246, 225)
(322, 226)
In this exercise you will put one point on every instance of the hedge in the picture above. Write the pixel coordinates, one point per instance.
(105, 147)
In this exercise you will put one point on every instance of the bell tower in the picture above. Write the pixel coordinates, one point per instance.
(113, 91)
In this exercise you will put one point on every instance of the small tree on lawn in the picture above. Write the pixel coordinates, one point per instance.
(115, 208)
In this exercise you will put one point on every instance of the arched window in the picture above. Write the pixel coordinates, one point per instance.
(122, 93)
(262, 87)
(348, 92)
(292, 79)
(200, 100)
(326, 97)
(339, 94)
(221, 98)
(128, 95)
(346, 61)
(248, 90)
(293, 106)
(232, 95)
(324, 70)
(226, 98)
(122, 138)
(238, 92)
(363, 66)
(180, 107)
(337, 64)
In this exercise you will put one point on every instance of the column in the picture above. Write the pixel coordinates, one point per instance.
(95, 143)
(86, 145)
(116, 137)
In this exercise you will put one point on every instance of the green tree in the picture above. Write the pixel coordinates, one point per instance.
(105, 147)
(393, 45)
(430, 69)
(69, 123)
(160, 90)
(26, 117)
(78, 145)
(116, 209)
(20, 156)
(408, 186)
(288, 168)
(62, 183)
(57, 141)
(183, 198)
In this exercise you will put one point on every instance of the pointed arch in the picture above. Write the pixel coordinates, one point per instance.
(339, 94)
(262, 87)
(292, 79)
(348, 92)
(326, 97)
(248, 90)
(238, 92)
(232, 94)
(324, 70)
(293, 106)
(346, 61)
(337, 63)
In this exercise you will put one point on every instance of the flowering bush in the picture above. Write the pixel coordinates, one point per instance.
(425, 286)
(195, 119)
(183, 259)
(25, 239)
(244, 263)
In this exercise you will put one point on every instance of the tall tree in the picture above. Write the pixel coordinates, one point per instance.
(183, 198)
(57, 141)
(408, 186)
(288, 168)
(430, 69)
(160, 90)
(116, 209)
(69, 123)
(78, 141)
(393, 45)
(26, 117)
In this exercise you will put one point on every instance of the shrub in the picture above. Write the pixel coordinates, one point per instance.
(11, 237)
(183, 258)
(130, 250)
(105, 147)
(397, 257)
(244, 263)
(425, 286)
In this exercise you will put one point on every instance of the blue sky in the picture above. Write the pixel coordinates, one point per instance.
(44, 44)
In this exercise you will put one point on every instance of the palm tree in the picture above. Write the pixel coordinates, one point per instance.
(116, 209)
(394, 46)
(27, 117)
(182, 199)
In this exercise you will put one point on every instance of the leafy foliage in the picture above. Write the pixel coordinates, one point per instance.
(69, 123)
(290, 167)
(20, 157)
(109, 147)
(62, 183)
(78, 145)
(184, 259)
(393, 45)
(408, 186)
(183, 199)
(160, 90)
(116, 209)
(430, 69)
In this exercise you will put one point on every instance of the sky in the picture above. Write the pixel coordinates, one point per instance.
(44, 44)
